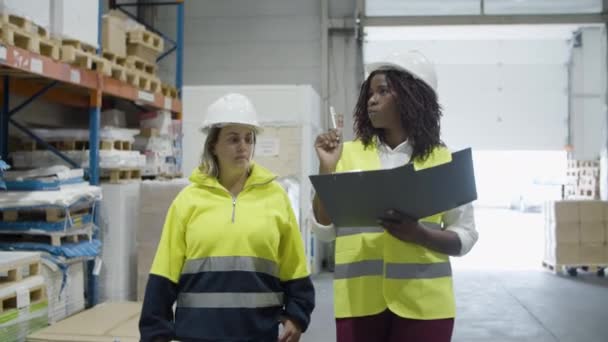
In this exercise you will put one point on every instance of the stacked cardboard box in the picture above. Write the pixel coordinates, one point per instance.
(114, 34)
(583, 180)
(576, 233)
(23, 300)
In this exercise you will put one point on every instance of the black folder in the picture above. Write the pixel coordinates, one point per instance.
(357, 199)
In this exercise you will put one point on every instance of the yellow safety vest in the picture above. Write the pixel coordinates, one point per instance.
(375, 271)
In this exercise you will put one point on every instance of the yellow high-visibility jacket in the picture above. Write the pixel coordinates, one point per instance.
(234, 265)
(375, 271)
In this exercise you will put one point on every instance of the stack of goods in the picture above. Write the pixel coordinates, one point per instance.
(576, 234)
(583, 180)
(160, 142)
(155, 198)
(30, 34)
(133, 51)
(23, 296)
(54, 217)
(105, 322)
(117, 160)
(118, 221)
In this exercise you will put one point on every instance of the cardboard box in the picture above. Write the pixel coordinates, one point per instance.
(566, 253)
(564, 211)
(593, 253)
(114, 35)
(564, 232)
(591, 211)
(593, 232)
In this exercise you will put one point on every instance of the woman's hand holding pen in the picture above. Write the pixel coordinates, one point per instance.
(328, 146)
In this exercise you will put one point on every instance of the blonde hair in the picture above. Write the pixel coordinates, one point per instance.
(209, 163)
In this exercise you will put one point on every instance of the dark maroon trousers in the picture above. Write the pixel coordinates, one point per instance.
(388, 327)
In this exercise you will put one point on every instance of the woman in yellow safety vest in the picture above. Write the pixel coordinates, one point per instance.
(231, 256)
(393, 282)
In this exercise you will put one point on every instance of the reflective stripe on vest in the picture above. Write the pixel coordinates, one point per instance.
(359, 269)
(231, 263)
(418, 271)
(393, 270)
(248, 300)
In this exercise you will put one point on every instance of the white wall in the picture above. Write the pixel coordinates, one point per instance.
(503, 93)
(248, 42)
(588, 95)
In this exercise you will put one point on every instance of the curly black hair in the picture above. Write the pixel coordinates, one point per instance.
(420, 112)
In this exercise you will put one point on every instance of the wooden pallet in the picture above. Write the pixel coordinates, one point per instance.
(78, 145)
(44, 214)
(136, 63)
(148, 82)
(168, 90)
(120, 175)
(132, 77)
(19, 268)
(77, 44)
(146, 38)
(83, 59)
(37, 295)
(558, 268)
(37, 42)
(56, 239)
(112, 57)
(118, 65)
(20, 38)
(24, 24)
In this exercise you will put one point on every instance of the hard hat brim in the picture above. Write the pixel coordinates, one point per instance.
(205, 129)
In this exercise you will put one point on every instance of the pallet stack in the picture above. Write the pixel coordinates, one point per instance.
(576, 234)
(25, 34)
(132, 51)
(119, 162)
(23, 296)
(583, 180)
(59, 224)
(84, 56)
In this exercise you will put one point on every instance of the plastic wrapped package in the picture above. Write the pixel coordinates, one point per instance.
(108, 159)
(105, 133)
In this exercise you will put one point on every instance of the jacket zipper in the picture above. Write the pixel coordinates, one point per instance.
(233, 207)
(234, 198)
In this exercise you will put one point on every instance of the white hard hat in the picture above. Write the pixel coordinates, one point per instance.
(413, 62)
(231, 108)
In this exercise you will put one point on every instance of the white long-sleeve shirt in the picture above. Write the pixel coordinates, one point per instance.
(460, 220)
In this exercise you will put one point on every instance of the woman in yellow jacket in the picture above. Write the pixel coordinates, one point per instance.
(230, 256)
(393, 282)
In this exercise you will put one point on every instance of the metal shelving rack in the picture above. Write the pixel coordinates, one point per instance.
(38, 77)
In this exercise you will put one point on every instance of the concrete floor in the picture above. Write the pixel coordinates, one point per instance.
(502, 294)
